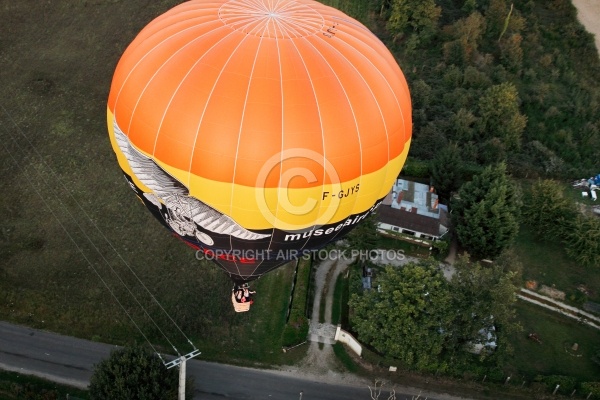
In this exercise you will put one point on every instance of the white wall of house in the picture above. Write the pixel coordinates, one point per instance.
(394, 228)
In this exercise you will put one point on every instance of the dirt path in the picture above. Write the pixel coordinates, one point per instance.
(559, 307)
(320, 362)
(588, 13)
(320, 359)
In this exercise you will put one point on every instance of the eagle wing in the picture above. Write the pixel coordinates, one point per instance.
(175, 195)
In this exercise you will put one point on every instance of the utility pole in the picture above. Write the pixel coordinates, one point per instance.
(181, 362)
(182, 378)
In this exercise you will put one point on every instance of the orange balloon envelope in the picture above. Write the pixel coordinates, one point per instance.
(257, 130)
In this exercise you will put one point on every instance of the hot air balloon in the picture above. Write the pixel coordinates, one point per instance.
(256, 130)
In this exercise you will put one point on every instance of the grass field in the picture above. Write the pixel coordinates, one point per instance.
(547, 262)
(341, 294)
(554, 356)
(64, 195)
(345, 359)
(78, 253)
(14, 386)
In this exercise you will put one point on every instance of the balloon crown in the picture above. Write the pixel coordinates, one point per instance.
(281, 19)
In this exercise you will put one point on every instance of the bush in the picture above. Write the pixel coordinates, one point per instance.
(567, 383)
(355, 279)
(496, 375)
(577, 297)
(592, 388)
(441, 247)
(134, 373)
(296, 330)
(416, 168)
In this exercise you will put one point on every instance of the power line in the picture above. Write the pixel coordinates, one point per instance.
(98, 229)
(88, 238)
(80, 250)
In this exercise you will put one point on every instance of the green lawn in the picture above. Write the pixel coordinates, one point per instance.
(296, 328)
(554, 356)
(339, 309)
(256, 336)
(345, 359)
(410, 249)
(68, 297)
(547, 262)
(64, 195)
(15, 386)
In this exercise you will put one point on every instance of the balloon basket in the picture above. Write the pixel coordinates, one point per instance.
(239, 307)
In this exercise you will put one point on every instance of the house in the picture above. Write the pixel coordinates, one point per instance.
(413, 209)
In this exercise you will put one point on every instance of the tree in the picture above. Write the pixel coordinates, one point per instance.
(420, 16)
(503, 19)
(511, 53)
(421, 94)
(408, 318)
(548, 210)
(495, 15)
(486, 212)
(484, 296)
(545, 159)
(364, 236)
(469, 5)
(491, 151)
(554, 215)
(446, 170)
(583, 240)
(461, 125)
(428, 140)
(134, 373)
(500, 116)
(467, 33)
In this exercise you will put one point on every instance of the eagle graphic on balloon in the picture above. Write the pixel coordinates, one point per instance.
(254, 128)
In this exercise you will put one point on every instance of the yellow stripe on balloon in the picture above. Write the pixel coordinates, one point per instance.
(282, 208)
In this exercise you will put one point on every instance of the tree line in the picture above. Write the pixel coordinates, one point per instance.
(495, 80)
(501, 90)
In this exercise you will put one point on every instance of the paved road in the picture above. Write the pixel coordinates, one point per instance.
(58, 358)
(69, 360)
